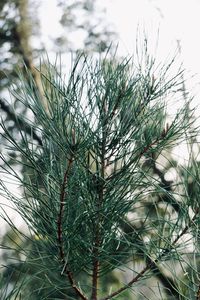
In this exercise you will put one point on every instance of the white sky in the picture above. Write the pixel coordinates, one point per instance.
(176, 20)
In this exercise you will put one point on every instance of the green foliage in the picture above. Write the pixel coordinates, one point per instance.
(20, 25)
(103, 219)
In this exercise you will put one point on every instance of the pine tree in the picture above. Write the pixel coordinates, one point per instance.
(95, 200)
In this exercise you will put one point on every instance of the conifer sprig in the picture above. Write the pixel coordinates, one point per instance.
(92, 191)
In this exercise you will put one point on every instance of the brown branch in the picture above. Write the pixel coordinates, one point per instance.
(128, 285)
(97, 242)
(95, 267)
(131, 233)
(198, 294)
(168, 283)
(66, 269)
(158, 139)
(151, 264)
(184, 231)
(61, 211)
(100, 191)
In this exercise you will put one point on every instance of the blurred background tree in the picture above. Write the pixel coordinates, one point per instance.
(21, 40)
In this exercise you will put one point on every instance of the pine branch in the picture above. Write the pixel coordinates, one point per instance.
(60, 230)
(184, 231)
(142, 152)
(151, 263)
(89, 184)
(131, 234)
(168, 284)
(130, 283)
(97, 243)
(95, 266)
(61, 210)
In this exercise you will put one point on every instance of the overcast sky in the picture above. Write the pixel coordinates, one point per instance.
(175, 19)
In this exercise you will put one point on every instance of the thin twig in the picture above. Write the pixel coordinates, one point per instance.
(186, 227)
(151, 264)
(66, 269)
(132, 235)
(198, 294)
(143, 151)
(95, 266)
(128, 285)
(97, 242)
(60, 215)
